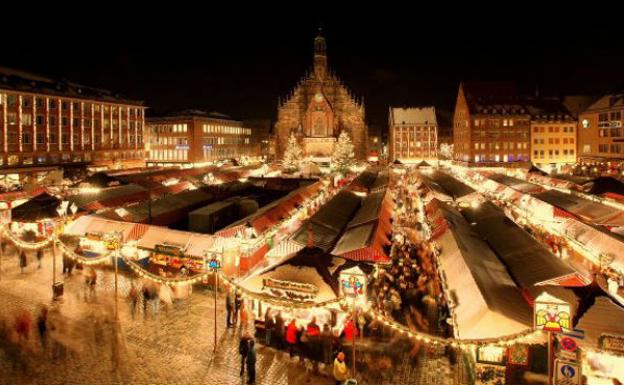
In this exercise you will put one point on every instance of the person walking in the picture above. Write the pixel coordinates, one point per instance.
(238, 300)
(133, 296)
(251, 362)
(243, 349)
(279, 330)
(229, 307)
(244, 317)
(146, 297)
(269, 325)
(42, 328)
(326, 344)
(340, 369)
(39, 258)
(22, 261)
(291, 337)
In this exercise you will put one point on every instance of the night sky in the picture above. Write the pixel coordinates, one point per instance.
(219, 60)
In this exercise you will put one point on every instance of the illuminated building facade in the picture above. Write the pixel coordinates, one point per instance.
(553, 135)
(600, 132)
(45, 122)
(194, 136)
(413, 134)
(491, 125)
(318, 109)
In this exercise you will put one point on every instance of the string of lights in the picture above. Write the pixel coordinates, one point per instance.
(82, 259)
(24, 244)
(454, 342)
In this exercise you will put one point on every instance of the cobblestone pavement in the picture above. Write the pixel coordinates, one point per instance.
(173, 346)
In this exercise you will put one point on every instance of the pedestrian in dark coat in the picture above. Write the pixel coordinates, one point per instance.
(251, 362)
(42, 328)
(279, 330)
(243, 349)
(237, 305)
(229, 307)
(22, 261)
(39, 258)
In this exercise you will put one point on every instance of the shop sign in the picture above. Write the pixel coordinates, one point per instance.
(611, 342)
(518, 354)
(290, 286)
(353, 282)
(567, 373)
(551, 314)
(168, 249)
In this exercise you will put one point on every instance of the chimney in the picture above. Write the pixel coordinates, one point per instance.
(310, 243)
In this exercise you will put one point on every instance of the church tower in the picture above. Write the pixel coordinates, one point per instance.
(320, 57)
(317, 109)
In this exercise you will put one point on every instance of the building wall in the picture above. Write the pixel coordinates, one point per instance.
(410, 143)
(601, 134)
(461, 129)
(198, 139)
(489, 139)
(39, 129)
(553, 142)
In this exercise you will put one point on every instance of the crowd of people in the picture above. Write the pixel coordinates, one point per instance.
(314, 342)
(408, 290)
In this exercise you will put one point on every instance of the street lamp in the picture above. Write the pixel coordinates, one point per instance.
(215, 265)
(114, 243)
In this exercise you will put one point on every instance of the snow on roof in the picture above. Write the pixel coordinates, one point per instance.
(412, 115)
(608, 101)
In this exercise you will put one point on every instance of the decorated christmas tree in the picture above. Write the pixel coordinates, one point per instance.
(293, 155)
(343, 157)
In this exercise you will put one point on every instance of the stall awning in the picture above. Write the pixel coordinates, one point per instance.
(91, 224)
(488, 304)
(198, 245)
(162, 235)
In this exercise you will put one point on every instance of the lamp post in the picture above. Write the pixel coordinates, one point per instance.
(114, 243)
(215, 265)
(62, 211)
(353, 283)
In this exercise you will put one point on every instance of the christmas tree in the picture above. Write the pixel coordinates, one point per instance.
(343, 157)
(293, 155)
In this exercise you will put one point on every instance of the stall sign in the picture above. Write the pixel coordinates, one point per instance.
(567, 373)
(518, 354)
(214, 264)
(94, 236)
(290, 286)
(491, 354)
(353, 282)
(551, 314)
(168, 249)
(611, 342)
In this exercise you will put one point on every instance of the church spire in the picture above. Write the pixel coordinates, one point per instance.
(320, 56)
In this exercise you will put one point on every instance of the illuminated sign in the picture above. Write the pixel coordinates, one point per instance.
(551, 314)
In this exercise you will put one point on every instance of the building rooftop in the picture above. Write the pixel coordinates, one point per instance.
(413, 115)
(192, 113)
(608, 101)
(23, 81)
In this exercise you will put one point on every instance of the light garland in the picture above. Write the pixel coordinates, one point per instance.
(281, 303)
(163, 280)
(453, 342)
(82, 259)
(23, 244)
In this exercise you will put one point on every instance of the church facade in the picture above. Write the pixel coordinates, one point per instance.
(318, 109)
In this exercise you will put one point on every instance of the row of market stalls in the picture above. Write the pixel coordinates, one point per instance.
(591, 318)
(446, 188)
(581, 220)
